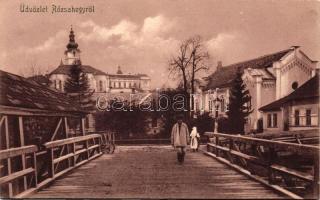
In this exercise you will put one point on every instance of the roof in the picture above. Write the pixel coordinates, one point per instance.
(265, 74)
(223, 76)
(65, 69)
(42, 79)
(19, 92)
(72, 43)
(309, 89)
(127, 75)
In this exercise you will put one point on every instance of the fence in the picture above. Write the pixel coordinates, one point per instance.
(294, 167)
(36, 169)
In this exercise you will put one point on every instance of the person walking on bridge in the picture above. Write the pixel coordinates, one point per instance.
(180, 138)
(194, 135)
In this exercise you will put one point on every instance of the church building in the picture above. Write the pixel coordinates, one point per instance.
(100, 82)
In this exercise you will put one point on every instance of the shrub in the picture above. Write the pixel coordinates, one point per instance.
(223, 125)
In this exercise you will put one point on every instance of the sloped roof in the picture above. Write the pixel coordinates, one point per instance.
(223, 76)
(42, 79)
(65, 69)
(309, 89)
(16, 91)
(127, 75)
(264, 73)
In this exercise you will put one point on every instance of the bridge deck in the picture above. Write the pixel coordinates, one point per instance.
(151, 172)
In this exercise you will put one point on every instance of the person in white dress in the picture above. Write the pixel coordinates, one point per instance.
(194, 144)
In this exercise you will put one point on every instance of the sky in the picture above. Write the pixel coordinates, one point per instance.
(142, 35)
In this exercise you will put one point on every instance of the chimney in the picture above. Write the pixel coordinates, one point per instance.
(219, 65)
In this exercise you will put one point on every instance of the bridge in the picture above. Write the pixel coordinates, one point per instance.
(46, 150)
(228, 166)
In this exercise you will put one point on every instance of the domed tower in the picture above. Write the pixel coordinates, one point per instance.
(72, 54)
(119, 70)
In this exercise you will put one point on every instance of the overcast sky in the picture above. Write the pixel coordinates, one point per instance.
(141, 35)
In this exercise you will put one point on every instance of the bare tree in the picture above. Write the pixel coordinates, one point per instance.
(178, 65)
(199, 60)
(192, 58)
(33, 69)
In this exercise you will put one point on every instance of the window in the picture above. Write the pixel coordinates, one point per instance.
(308, 117)
(60, 84)
(294, 85)
(227, 107)
(296, 118)
(222, 104)
(269, 120)
(272, 120)
(275, 120)
(87, 123)
(217, 110)
(125, 84)
(100, 86)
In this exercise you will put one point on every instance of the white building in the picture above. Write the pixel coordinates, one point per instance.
(297, 111)
(99, 81)
(268, 78)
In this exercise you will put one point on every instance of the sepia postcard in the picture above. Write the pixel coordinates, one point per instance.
(159, 99)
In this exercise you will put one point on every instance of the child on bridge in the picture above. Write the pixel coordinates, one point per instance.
(194, 145)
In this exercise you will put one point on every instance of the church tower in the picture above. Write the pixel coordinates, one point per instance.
(72, 54)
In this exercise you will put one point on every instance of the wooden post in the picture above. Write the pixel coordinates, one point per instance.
(94, 143)
(9, 159)
(66, 128)
(74, 153)
(56, 130)
(50, 162)
(83, 133)
(100, 143)
(35, 169)
(82, 126)
(23, 156)
(87, 147)
(66, 131)
(316, 176)
(271, 161)
(230, 149)
(217, 144)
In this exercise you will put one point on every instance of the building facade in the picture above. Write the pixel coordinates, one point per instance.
(297, 111)
(99, 81)
(268, 78)
(118, 85)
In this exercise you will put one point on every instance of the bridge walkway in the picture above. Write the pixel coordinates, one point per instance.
(153, 172)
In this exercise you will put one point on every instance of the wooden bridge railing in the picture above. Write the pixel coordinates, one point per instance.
(40, 168)
(14, 173)
(66, 154)
(294, 167)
